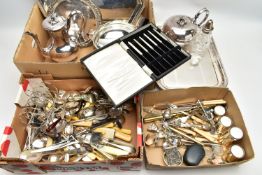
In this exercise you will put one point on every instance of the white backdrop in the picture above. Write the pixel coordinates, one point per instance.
(238, 35)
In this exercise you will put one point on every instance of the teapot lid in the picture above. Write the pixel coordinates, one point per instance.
(180, 28)
(54, 22)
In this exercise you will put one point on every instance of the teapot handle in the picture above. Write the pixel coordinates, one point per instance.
(203, 11)
(75, 29)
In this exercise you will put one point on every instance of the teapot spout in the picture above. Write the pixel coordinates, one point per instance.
(44, 51)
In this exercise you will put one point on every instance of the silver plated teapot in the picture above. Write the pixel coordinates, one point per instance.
(68, 27)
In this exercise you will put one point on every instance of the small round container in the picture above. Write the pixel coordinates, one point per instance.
(235, 153)
(234, 134)
(223, 124)
(219, 110)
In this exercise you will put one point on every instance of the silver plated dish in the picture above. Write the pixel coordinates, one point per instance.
(111, 31)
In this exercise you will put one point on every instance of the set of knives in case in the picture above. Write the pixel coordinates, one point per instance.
(128, 65)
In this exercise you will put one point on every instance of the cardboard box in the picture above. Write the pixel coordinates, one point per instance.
(15, 136)
(29, 60)
(152, 155)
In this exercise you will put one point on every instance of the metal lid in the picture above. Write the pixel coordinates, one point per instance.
(54, 22)
(219, 110)
(226, 121)
(236, 133)
(237, 151)
(208, 27)
(111, 31)
(180, 28)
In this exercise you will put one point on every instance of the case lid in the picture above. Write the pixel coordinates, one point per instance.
(129, 64)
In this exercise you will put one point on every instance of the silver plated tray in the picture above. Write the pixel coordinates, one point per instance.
(210, 72)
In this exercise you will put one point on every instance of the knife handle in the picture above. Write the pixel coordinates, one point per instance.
(214, 102)
(109, 125)
(112, 151)
(125, 131)
(83, 123)
(153, 118)
(121, 142)
(123, 136)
